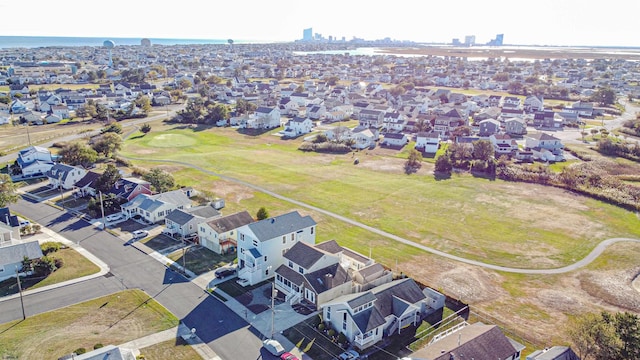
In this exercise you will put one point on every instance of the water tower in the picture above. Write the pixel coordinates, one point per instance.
(109, 45)
(145, 42)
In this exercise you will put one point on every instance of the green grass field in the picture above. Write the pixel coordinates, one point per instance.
(113, 319)
(512, 224)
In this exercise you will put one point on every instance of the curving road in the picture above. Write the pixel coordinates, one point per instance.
(585, 261)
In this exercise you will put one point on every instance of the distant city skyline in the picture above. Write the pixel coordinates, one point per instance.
(545, 22)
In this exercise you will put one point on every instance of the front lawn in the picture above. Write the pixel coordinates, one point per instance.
(112, 319)
(172, 349)
(200, 260)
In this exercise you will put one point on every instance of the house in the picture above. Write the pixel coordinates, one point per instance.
(488, 127)
(9, 232)
(546, 119)
(65, 176)
(367, 317)
(364, 137)
(129, 188)
(107, 352)
(471, 341)
(298, 126)
(533, 103)
(317, 112)
(583, 108)
(396, 140)
(185, 222)
(18, 107)
(371, 118)
(60, 110)
(262, 244)
(52, 119)
(554, 353)
(155, 208)
(515, 126)
(338, 133)
(11, 256)
(220, 234)
(503, 144)
(85, 185)
(428, 142)
(264, 118)
(545, 147)
(311, 275)
(34, 161)
(8, 219)
(511, 102)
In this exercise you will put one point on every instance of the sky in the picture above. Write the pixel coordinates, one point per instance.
(540, 22)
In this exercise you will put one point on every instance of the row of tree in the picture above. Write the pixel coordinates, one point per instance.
(606, 336)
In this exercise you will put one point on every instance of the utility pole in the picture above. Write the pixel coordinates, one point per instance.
(61, 193)
(24, 316)
(273, 308)
(104, 224)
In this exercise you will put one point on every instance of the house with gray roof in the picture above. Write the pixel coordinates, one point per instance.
(554, 353)
(11, 256)
(367, 317)
(470, 341)
(65, 176)
(262, 244)
(220, 234)
(34, 161)
(155, 208)
(185, 222)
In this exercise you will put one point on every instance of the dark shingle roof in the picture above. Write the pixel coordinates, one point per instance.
(303, 254)
(330, 246)
(280, 225)
(405, 289)
(327, 278)
(368, 319)
(230, 222)
(361, 299)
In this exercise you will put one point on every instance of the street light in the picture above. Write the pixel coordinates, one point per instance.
(274, 292)
(24, 316)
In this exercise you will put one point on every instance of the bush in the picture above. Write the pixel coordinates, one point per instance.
(58, 262)
(331, 332)
(97, 346)
(321, 326)
(80, 351)
(49, 247)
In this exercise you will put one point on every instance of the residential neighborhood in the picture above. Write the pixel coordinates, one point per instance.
(280, 275)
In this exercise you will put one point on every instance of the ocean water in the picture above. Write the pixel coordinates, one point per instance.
(58, 41)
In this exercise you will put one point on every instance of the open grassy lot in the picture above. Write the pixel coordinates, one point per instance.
(173, 349)
(75, 266)
(13, 138)
(200, 260)
(112, 319)
(513, 224)
(159, 242)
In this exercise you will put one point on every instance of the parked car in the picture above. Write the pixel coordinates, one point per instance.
(224, 272)
(24, 223)
(273, 346)
(243, 282)
(288, 356)
(139, 234)
(349, 355)
(115, 217)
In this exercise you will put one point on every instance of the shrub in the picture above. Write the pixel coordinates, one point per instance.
(321, 326)
(58, 262)
(97, 346)
(49, 247)
(331, 332)
(80, 351)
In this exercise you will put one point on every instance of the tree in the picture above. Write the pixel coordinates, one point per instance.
(262, 213)
(82, 112)
(145, 128)
(113, 127)
(218, 112)
(604, 96)
(483, 150)
(78, 153)
(605, 335)
(107, 144)
(444, 164)
(244, 107)
(107, 179)
(160, 180)
(143, 102)
(8, 194)
(414, 162)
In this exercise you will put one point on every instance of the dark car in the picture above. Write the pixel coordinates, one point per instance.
(223, 273)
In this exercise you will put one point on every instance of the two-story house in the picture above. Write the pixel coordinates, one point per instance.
(34, 161)
(371, 118)
(186, 222)
(428, 142)
(155, 208)
(220, 235)
(545, 147)
(367, 317)
(262, 244)
(64, 176)
(298, 126)
(264, 118)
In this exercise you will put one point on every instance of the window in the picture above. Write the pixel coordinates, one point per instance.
(231, 233)
(266, 272)
(300, 270)
(242, 237)
(291, 264)
(312, 230)
(265, 258)
(328, 313)
(293, 236)
(255, 243)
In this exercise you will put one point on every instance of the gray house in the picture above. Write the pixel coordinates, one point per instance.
(11, 257)
(185, 222)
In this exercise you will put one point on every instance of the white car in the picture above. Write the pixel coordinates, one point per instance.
(243, 282)
(139, 234)
(273, 346)
(349, 355)
(115, 217)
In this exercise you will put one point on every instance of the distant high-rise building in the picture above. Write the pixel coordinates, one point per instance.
(497, 41)
(456, 42)
(307, 34)
(469, 40)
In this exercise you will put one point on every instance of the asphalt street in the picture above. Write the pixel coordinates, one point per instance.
(130, 268)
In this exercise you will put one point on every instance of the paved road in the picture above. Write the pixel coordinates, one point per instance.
(588, 259)
(220, 328)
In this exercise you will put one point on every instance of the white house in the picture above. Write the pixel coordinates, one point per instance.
(428, 142)
(65, 176)
(364, 137)
(395, 139)
(34, 161)
(155, 208)
(220, 235)
(533, 103)
(264, 118)
(503, 144)
(367, 317)
(298, 126)
(545, 147)
(11, 257)
(262, 244)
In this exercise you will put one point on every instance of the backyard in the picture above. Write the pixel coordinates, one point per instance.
(513, 224)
